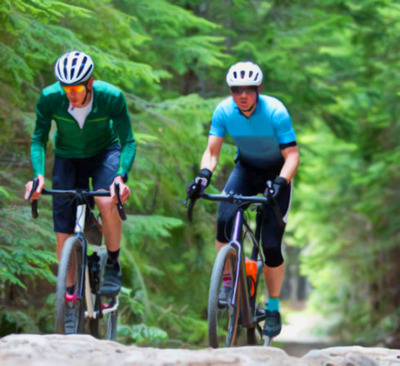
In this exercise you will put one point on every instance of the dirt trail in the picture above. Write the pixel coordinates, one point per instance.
(84, 350)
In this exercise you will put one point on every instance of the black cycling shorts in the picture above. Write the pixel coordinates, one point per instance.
(250, 181)
(75, 173)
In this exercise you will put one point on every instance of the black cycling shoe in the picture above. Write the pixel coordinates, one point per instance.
(112, 279)
(273, 323)
(224, 296)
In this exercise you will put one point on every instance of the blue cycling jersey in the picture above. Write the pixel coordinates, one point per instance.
(260, 137)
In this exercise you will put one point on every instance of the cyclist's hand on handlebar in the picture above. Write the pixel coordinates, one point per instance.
(276, 187)
(197, 187)
(123, 190)
(36, 193)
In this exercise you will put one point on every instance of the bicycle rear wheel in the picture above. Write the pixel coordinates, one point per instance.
(70, 305)
(106, 326)
(223, 320)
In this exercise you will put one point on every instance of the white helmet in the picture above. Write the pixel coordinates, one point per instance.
(73, 68)
(244, 73)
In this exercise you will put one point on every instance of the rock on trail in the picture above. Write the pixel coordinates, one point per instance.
(84, 350)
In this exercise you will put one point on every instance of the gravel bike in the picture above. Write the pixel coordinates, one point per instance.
(79, 277)
(244, 309)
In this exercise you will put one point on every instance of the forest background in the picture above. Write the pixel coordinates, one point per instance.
(334, 64)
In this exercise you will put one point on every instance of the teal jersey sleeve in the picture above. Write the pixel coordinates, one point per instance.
(40, 135)
(123, 127)
(218, 127)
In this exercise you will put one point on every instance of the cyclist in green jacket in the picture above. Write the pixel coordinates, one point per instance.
(93, 139)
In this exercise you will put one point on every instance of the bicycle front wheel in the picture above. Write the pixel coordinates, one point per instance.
(70, 305)
(106, 326)
(223, 319)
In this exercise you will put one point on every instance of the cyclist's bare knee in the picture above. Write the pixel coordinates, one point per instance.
(106, 207)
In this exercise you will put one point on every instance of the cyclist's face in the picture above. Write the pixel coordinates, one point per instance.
(76, 93)
(244, 96)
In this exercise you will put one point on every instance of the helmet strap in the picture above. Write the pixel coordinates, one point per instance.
(88, 92)
(84, 99)
(252, 107)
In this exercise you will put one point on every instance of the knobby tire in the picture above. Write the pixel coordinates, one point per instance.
(215, 334)
(71, 256)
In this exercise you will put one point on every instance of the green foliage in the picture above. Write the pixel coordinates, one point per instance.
(334, 64)
(13, 322)
(23, 255)
(132, 44)
(347, 198)
(141, 334)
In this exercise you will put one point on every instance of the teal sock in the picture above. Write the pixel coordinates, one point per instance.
(273, 304)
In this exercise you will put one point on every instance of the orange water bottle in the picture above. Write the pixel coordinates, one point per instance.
(251, 272)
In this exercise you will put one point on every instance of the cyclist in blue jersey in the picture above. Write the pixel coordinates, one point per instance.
(261, 128)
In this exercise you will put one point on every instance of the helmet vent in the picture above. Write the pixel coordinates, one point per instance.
(244, 73)
(74, 61)
(74, 68)
(88, 72)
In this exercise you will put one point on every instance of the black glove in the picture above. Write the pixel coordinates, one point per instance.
(276, 187)
(202, 180)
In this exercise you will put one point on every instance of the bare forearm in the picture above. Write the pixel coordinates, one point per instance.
(209, 161)
(290, 166)
(210, 157)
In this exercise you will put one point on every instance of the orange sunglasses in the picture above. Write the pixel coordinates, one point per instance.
(74, 88)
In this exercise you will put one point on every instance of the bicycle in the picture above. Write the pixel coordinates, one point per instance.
(79, 277)
(242, 310)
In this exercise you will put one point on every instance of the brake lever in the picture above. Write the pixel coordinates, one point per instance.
(34, 204)
(35, 184)
(120, 207)
(192, 202)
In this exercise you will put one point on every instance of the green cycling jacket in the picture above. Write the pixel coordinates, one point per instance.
(108, 123)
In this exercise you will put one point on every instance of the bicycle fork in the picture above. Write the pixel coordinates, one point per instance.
(241, 278)
(84, 273)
